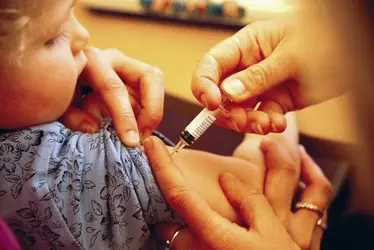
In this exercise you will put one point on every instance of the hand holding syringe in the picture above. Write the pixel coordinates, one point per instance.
(200, 124)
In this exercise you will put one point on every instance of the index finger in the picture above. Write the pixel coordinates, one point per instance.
(149, 81)
(282, 177)
(249, 200)
(181, 197)
(105, 81)
(227, 57)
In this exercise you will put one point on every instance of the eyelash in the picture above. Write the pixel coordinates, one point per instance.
(56, 40)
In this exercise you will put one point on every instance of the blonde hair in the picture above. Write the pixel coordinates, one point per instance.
(13, 23)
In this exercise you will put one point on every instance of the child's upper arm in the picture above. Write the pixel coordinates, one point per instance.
(84, 190)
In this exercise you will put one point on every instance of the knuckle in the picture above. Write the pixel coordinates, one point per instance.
(158, 72)
(113, 51)
(326, 187)
(177, 195)
(90, 50)
(112, 84)
(226, 240)
(156, 115)
(273, 145)
(125, 116)
(258, 76)
(290, 168)
(250, 200)
(206, 224)
(252, 191)
(114, 54)
(154, 71)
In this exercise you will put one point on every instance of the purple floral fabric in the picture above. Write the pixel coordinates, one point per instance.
(65, 190)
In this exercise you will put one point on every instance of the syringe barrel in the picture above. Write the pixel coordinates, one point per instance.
(198, 126)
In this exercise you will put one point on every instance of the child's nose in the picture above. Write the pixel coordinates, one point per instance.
(80, 39)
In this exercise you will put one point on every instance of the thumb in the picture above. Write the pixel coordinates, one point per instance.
(184, 200)
(258, 78)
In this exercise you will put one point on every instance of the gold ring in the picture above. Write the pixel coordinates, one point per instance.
(170, 242)
(309, 206)
(322, 224)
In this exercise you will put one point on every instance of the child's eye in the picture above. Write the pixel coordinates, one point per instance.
(56, 40)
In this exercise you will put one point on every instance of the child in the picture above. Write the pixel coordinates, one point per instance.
(66, 190)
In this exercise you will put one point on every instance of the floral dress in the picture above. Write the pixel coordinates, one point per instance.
(65, 190)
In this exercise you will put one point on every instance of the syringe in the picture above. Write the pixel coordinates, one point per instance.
(198, 126)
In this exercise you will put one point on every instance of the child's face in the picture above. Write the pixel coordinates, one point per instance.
(42, 86)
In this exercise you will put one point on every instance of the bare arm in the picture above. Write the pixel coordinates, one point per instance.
(203, 169)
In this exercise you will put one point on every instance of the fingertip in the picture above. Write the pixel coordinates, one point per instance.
(302, 149)
(80, 120)
(213, 98)
(234, 89)
(229, 185)
(147, 144)
(89, 127)
(205, 89)
(155, 149)
(305, 157)
(146, 133)
(259, 122)
(130, 138)
(203, 100)
(278, 122)
(258, 128)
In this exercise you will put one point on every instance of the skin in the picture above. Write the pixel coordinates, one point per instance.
(268, 222)
(275, 171)
(42, 88)
(274, 64)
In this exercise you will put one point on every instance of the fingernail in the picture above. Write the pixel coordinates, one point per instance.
(132, 138)
(145, 134)
(88, 128)
(302, 148)
(274, 128)
(147, 143)
(233, 88)
(233, 125)
(204, 100)
(257, 128)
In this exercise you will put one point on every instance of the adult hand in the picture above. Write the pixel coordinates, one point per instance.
(282, 179)
(281, 183)
(132, 91)
(278, 63)
(263, 231)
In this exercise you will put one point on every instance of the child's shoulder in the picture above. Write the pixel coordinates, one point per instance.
(54, 139)
(54, 132)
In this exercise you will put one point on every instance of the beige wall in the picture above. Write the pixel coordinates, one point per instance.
(175, 48)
